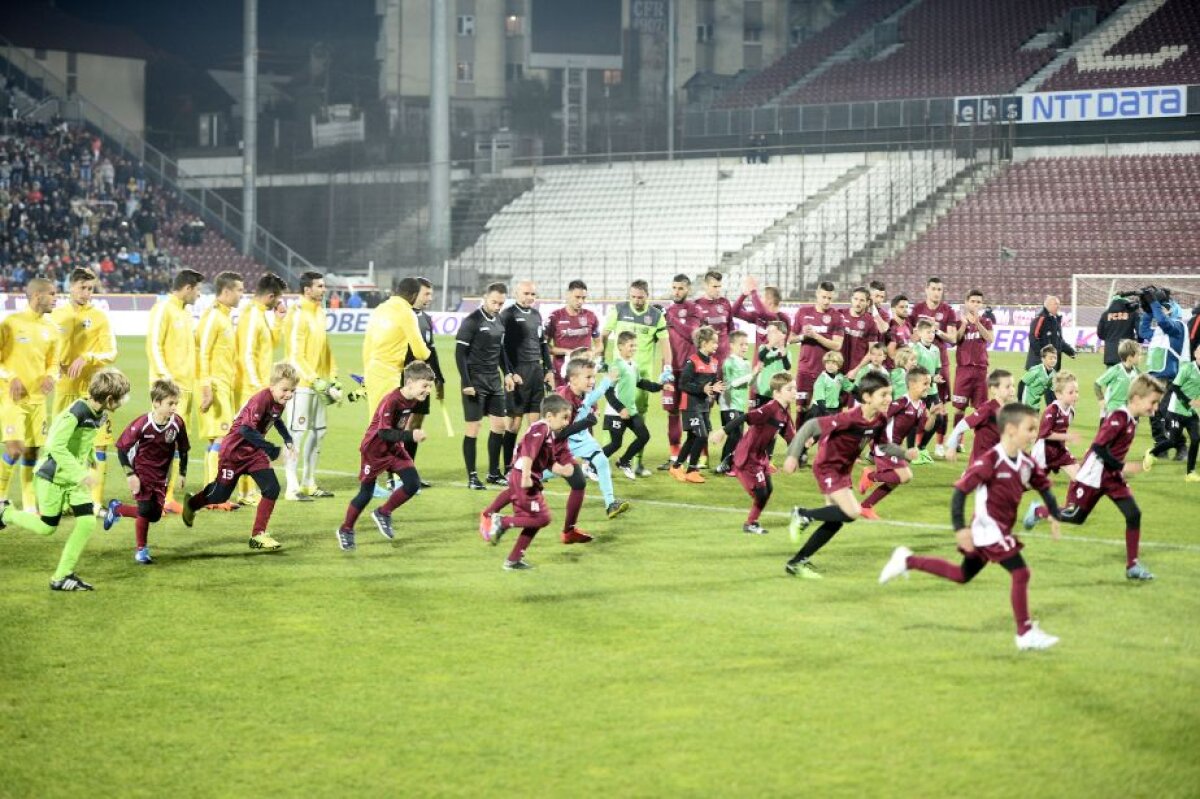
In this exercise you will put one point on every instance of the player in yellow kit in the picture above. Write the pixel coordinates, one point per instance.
(171, 352)
(86, 345)
(306, 347)
(216, 371)
(28, 370)
(258, 332)
(392, 333)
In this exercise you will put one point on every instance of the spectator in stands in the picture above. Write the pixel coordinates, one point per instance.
(354, 300)
(1119, 321)
(1164, 331)
(1046, 331)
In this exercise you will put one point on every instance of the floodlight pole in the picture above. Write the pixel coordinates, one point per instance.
(671, 80)
(249, 122)
(439, 136)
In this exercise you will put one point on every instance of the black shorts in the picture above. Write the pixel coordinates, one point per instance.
(615, 423)
(696, 420)
(528, 395)
(488, 401)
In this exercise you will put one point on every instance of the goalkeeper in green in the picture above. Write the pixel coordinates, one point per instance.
(63, 479)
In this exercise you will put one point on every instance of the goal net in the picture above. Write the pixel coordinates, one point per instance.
(1091, 294)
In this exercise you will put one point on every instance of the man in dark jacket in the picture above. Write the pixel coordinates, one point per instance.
(1046, 329)
(1118, 322)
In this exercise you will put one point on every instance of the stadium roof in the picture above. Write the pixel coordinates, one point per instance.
(39, 26)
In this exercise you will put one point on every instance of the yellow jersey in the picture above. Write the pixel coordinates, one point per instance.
(392, 332)
(217, 346)
(84, 332)
(171, 343)
(28, 350)
(306, 343)
(256, 340)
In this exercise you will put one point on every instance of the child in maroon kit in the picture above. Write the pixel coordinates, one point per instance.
(146, 450)
(997, 478)
(982, 420)
(383, 451)
(905, 415)
(842, 437)
(752, 457)
(1102, 473)
(538, 451)
(246, 451)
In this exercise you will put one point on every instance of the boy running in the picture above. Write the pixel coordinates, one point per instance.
(997, 479)
(63, 479)
(621, 412)
(1050, 452)
(1181, 412)
(384, 450)
(146, 450)
(1036, 381)
(1112, 387)
(983, 419)
(903, 416)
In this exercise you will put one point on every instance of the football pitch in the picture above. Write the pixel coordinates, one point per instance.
(672, 656)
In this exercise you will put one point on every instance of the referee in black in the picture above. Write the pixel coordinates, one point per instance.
(529, 358)
(484, 375)
(419, 293)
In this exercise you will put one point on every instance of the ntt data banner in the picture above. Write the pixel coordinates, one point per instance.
(1088, 105)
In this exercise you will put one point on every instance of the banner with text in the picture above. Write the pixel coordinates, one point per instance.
(1082, 105)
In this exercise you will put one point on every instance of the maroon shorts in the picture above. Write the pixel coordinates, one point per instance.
(829, 480)
(752, 475)
(887, 464)
(372, 467)
(1058, 457)
(970, 387)
(243, 460)
(998, 552)
(1112, 485)
(804, 389)
(526, 501)
(152, 486)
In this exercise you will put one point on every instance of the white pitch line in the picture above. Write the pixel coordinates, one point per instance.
(1080, 539)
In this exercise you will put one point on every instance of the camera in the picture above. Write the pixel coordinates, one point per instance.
(1151, 293)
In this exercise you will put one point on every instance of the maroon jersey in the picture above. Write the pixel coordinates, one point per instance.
(717, 314)
(682, 320)
(983, 421)
(943, 316)
(903, 416)
(1116, 432)
(900, 333)
(543, 450)
(1056, 420)
(972, 350)
(698, 372)
(998, 483)
(150, 448)
(571, 331)
(259, 413)
(392, 413)
(760, 316)
(860, 332)
(843, 436)
(570, 396)
(828, 323)
(762, 423)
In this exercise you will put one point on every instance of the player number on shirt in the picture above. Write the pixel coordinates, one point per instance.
(535, 507)
(760, 477)
(367, 469)
(829, 482)
(227, 475)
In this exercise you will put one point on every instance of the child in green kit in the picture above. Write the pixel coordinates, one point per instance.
(64, 480)
(735, 400)
(1038, 379)
(620, 412)
(873, 364)
(1112, 387)
(773, 358)
(929, 356)
(1182, 407)
(905, 359)
(830, 385)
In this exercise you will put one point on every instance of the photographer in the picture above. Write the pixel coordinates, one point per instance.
(1118, 322)
(1162, 326)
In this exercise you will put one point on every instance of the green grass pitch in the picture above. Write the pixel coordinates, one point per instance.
(670, 657)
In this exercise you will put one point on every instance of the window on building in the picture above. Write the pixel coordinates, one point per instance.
(466, 25)
(514, 72)
(465, 72)
(612, 77)
(513, 25)
(752, 35)
(704, 33)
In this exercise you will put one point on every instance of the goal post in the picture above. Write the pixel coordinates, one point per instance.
(1091, 294)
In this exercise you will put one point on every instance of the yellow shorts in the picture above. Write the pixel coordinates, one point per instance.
(24, 421)
(104, 438)
(214, 423)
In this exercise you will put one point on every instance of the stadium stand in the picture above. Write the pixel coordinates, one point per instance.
(1024, 234)
(1157, 44)
(950, 48)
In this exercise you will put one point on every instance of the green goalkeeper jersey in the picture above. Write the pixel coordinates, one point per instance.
(1036, 380)
(649, 325)
(931, 358)
(1115, 384)
(1188, 382)
(773, 362)
(828, 389)
(69, 445)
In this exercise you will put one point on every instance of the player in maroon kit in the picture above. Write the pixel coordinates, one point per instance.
(861, 329)
(245, 450)
(146, 450)
(904, 415)
(384, 451)
(938, 311)
(540, 450)
(572, 326)
(842, 437)
(819, 328)
(752, 457)
(899, 332)
(879, 303)
(1102, 473)
(1050, 452)
(682, 319)
(763, 311)
(715, 310)
(974, 334)
(983, 419)
(997, 479)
